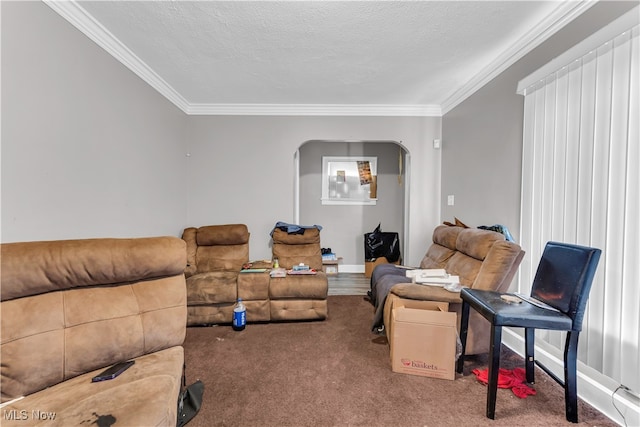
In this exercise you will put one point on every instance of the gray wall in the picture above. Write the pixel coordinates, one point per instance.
(482, 137)
(344, 225)
(88, 149)
(242, 169)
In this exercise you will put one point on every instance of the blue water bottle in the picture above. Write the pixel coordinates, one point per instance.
(239, 316)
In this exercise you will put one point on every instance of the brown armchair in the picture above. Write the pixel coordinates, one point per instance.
(300, 297)
(482, 259)
(215, 255)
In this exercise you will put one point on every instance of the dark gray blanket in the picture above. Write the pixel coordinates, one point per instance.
(383, 278)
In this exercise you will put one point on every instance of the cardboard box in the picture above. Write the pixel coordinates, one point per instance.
(370, 265)
(423, 338)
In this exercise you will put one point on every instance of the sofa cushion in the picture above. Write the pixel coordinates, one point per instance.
(213, 287)
(290, 255)
(465, 267)
(210, 314)
(30, 268)
(86, 328)
(258, 310)
(310, 235)
(443, 247)
(144, 395)
(476, 243)
(301, 287)
(224, 257)
(425, 293)
(436, 257)
(446, 236)
(501, 269)
(253, 286)
(301, 309)
(293, 249)
(229, 234)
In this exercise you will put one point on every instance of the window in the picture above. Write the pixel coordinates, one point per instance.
(349, 180)
(580, 184)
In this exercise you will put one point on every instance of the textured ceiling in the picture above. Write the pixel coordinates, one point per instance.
(318, 52)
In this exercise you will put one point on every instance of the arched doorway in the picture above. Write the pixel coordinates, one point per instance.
(344, 225)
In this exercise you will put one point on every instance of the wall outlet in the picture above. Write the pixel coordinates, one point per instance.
(436, 143)
(450, 200)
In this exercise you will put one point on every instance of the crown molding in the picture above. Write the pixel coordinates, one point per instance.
(315, 110)
(83, 21)
(562, 15)
(627, 22)
(77, 16)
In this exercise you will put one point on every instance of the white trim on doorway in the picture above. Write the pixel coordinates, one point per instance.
(359, 268)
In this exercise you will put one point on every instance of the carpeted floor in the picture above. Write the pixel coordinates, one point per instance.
(337, 373)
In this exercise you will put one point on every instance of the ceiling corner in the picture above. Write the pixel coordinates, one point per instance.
(83, 21)
(562, 15)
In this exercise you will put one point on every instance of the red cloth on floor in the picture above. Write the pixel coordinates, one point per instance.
(515, 380)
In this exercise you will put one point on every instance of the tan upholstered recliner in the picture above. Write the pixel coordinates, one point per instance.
(483, 259)
(71, 308)
(302, 297)
(215, 255)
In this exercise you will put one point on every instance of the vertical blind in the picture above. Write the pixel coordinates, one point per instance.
(581, 184)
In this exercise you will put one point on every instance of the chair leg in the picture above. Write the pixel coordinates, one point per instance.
(464, 327)
(570, 380)
(529, 345)
(494, 368)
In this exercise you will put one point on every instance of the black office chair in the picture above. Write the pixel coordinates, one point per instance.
(563, 281)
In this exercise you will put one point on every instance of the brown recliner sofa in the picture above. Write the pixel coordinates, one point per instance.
(72, 308)
(216, 255)
(298, 297)
(483, 259)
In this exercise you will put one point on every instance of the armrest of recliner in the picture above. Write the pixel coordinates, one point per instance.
(189, 236)
(425, 293)
(499, 267)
